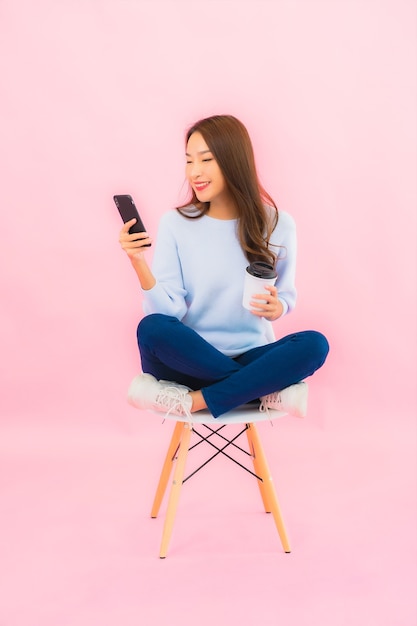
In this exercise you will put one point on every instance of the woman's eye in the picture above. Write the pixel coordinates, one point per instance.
(207, 160)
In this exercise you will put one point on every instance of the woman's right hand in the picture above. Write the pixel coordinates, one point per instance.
(135, 244)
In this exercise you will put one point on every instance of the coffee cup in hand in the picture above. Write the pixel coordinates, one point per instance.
(257, 275)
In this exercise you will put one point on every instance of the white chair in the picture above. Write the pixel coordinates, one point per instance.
(214, 430)
(209, 430)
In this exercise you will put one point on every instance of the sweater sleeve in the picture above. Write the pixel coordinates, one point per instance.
(285, 236)
(167, 296)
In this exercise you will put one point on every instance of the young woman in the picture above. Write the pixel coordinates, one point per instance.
(199, 346)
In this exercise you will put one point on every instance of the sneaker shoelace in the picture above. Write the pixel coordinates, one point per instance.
(266, 402)
(173, 399)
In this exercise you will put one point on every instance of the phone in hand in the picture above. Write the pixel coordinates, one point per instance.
(128, 211)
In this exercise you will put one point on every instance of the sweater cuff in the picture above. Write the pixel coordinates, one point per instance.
(284, 307)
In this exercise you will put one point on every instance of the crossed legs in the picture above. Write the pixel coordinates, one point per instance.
(170, 350)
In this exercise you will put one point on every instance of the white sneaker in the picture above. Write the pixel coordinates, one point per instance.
(146, 392)
(292, 400)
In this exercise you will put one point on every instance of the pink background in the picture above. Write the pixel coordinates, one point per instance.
(95, 99)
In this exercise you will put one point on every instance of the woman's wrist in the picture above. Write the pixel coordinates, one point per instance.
(146, 278)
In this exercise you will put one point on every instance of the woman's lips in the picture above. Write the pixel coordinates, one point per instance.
(201, 186)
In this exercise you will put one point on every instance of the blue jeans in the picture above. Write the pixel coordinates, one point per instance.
(170, 350)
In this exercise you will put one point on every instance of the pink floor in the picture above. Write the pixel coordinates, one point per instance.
(79, 548)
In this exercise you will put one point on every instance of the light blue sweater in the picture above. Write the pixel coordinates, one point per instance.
(199, 267)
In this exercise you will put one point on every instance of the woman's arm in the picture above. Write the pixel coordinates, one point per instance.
(135, 246)
(162, 286)
(168, 294)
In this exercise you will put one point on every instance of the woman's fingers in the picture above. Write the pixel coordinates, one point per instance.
(133, 243)
(263, 299)
(266, 304)
(128, 225)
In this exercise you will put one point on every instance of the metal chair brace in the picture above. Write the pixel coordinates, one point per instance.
(230, 442)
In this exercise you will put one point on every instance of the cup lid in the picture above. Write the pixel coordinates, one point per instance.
(259, 269)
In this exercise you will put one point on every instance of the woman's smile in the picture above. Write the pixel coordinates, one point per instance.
(201, 186)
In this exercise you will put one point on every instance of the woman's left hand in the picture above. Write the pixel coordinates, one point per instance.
(267, 304)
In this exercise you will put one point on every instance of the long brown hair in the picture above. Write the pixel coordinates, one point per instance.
(230, 144)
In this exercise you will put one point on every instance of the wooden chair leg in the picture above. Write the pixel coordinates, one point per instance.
(176, 488)
(268, 493)
(258, 470)
(167, 467)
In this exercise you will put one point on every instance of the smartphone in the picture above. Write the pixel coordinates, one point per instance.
(128, 211)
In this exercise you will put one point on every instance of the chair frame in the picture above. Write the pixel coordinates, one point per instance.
(176, 458)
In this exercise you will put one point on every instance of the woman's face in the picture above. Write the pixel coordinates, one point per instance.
(203, 172)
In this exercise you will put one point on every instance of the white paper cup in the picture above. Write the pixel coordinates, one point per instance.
(257, 275)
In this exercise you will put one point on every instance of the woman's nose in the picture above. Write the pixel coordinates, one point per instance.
(195, 170)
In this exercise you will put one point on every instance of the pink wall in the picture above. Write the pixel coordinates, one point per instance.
(95, 100)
